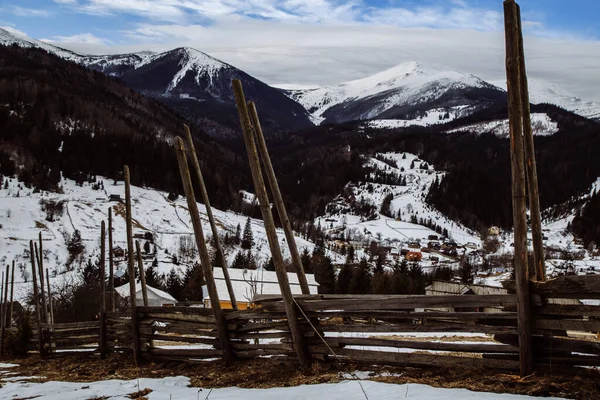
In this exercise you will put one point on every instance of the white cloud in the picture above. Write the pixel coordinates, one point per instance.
(28, 12)
(14, 31)
(82, 38)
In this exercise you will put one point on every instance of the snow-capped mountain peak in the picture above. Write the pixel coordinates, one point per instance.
(10, 37)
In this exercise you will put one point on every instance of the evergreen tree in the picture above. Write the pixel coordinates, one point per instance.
(325, 275)
(361, 278)
(344, 279)
(269, 265)
(192, 283)
(152, 278)
(147, 247)
(306, 261)
(91, 273)
(238, 234)
(248, 238)
(174, 284)
(350, 255)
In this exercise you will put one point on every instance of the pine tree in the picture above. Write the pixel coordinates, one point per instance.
(152, 278)
(269, 265)
(238, 234)
(350, 255)
(344, 278)
(306, 261)
(174, 285)
(325, 276)
(361, 278)
(192, 283)
(248, 238)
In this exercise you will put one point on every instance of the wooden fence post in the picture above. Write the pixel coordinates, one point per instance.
(131, 269)
(50, 298)
(2, 314)
(36, 299)
(201, 244)
(5, 307)
(38, 255)
(290, 308)
(111, 267)
(211, 219)
(539, 272)
(518, 186)
(12, 293)
(283, 216)
(102, 344)
(142, 273)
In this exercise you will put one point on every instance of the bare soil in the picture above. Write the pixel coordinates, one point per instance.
(264, 373)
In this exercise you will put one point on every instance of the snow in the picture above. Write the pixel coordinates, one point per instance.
(155, 295)
(84, 208)
(541, 124)
(432, 117)
(541, 91)
(407, 83)
(11, 37)
(180, 387)
(194, 61)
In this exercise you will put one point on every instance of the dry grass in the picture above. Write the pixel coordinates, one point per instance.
(265, 373)
(40, 225)
(119, 209)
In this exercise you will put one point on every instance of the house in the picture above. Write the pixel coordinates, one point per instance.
(118, 251)
(414, 245)
(156, 297)
(114, 197)
(248, 283)
(443, 288)
(432, 237)
(414, 256)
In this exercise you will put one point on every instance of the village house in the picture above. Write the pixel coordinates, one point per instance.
(248, 283)
(156, 297)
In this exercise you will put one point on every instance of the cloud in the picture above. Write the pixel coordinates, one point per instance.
(28, 12)
(82, 38)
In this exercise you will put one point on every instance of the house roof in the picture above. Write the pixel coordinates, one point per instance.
(123, 291)
(246, 283)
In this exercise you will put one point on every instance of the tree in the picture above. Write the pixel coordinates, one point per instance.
(147, 247)
(152, 278)
(325, 276)
(174, 284)
(192, 283)
(238, 234)
(350, 255)
(344, 278)
(75, 245)
(269, 265)
(248, 238)
(306, 261)
(361, 278)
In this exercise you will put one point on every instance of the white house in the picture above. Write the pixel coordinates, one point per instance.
(247, 283)
(156, 297)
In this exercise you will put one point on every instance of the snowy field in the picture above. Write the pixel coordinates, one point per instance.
(541, 125)
(84, 208)
(178, 387)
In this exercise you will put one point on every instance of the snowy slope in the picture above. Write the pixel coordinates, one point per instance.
(541, 124)
(408, 203)
(541, 91)
(84, 208)
(407, 84)
(9, 38)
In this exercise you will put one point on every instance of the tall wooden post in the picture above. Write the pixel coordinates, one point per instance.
(261, 192)
(539, 272)
(50, 297)
(36, 299)
(131, 270)
(518, 185)
(283, 216)
(211, 219)
(201, 244)
(5, 305)
(12, 294)
(142, 273)
(102, 342)
(111, 267)
(2, 314)
(45, 314)
(42, 290)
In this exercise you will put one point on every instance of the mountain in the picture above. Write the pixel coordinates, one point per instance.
(402, 92)
(59, 119)
(191, 82)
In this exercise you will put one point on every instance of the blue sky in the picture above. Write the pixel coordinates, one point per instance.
(315, 42)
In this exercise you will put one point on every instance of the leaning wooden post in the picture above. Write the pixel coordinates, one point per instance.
(131, 270)
(201, 244)
(50, 297)
(2, 314)
(12, 293)
(111, 267)
(539, 272)
(36, 300)
(5, 305)
(102, 275)
(283, 216)
(261, 192)
(141, 273)
(211, 219)
(38, 255)
(518, 186)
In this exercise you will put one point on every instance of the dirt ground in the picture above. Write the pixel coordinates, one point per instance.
(263, 373)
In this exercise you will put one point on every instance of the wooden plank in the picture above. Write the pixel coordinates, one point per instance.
(409, 302)
(568, 285)
(263, 326)
(102, 339)
(192, 353)
(417, 344)
(265, 335)
(173, 310)
(415, 328)
(414, 359)
(568, 325)
(572, 360)
(370, 314)
(261, 353)
(180, 317)
(555, 344)
(286, 347)
(72, 325)
(568, 310)
(186, 339)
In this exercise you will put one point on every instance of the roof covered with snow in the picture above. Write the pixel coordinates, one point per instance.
(123, 291)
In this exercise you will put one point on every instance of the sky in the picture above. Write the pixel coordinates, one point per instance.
(318, 42)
